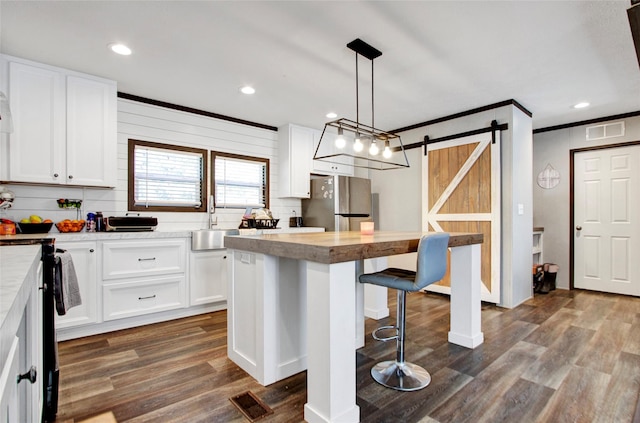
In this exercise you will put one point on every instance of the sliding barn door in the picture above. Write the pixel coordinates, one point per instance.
(461, 187)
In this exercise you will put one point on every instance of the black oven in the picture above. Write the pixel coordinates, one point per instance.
(50, 371)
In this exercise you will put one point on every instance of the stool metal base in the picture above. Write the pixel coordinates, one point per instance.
(400, 376)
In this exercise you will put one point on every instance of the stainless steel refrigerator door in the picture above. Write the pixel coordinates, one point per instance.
(353, 196)
(319, 209)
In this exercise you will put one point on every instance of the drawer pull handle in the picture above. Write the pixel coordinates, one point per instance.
(147, 298)
(147, 259)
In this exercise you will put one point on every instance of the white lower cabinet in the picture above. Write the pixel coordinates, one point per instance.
(21, 385)
(9, 402)
(142, 296)
(84, 255)
(143, 276)
(207, 277)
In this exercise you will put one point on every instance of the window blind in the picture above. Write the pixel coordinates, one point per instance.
(166, 177)
(239, 183)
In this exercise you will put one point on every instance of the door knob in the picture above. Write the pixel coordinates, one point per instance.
(578, 228)
(31, 375)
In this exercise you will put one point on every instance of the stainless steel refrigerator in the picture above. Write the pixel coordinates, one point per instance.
(338, 203)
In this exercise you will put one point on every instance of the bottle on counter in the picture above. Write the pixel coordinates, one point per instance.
(91, 222)
(99, 222)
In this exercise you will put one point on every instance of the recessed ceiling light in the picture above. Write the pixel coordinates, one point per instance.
(247, 90)
(332, 115)
(120, 49)
(581, 105)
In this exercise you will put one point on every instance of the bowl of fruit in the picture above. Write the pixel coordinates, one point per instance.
(69, 225)
(34, 225)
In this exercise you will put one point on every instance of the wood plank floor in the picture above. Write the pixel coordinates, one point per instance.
(569, 356)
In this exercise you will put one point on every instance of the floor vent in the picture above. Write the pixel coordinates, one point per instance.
(609, 130)
(251, 406)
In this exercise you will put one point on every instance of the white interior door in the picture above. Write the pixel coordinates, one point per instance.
(606, 218)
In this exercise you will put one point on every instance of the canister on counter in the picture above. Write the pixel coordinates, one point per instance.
(91, 222)
(99, 222)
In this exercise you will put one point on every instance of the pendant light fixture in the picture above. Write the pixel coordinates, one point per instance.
(346, 142)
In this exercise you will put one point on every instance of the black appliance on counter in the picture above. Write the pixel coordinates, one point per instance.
(50, 371)
(130, 223)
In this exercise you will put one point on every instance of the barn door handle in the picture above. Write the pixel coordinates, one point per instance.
(578, 228)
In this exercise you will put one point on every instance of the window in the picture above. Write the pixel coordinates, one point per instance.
(239, 181)
(166, 177)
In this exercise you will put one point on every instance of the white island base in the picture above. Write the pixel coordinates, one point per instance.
(288, 315)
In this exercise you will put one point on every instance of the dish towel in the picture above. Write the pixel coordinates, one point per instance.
(65, 285)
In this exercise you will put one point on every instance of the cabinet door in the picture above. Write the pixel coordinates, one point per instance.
(295, 151)
(91, 132)
(9, 404)
(84, 257)
(37, 144)
(301, 145)
(208, 277)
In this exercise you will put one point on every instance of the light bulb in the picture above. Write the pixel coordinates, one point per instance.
(387, 150)
(373, 150)
(357, 144)
(340, 141)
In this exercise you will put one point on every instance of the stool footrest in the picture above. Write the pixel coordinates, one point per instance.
(387, 338)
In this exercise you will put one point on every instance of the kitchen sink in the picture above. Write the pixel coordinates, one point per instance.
(210, 239)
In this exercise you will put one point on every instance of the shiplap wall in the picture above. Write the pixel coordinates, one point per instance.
(157, 124)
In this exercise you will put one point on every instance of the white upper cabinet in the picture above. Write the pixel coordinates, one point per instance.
(295, 145)
(91, 132)
(64, 126)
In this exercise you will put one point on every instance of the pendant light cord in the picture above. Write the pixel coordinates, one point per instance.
(357, 97)
(372, 121)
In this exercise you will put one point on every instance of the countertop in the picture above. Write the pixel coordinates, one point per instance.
(15, 264)
(106, 236)
(337, 247)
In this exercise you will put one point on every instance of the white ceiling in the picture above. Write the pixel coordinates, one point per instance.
(439, 58)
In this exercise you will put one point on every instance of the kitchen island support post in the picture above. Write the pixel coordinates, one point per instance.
(465, 301)
(331, 343)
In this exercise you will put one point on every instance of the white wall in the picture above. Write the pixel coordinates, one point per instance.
(152, 123)
(551, 207)
(401, 194)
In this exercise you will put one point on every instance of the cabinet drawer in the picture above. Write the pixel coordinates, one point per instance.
(143, 297)
(143, 258)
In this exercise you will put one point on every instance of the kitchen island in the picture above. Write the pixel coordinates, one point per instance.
(295, 303)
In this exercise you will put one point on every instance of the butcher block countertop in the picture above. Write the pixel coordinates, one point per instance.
(338, 247)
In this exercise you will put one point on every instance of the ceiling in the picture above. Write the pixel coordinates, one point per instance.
(439, 58)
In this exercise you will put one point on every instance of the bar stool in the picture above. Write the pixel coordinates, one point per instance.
(431, 267)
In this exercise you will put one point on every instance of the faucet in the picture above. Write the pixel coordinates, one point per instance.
(211, 213)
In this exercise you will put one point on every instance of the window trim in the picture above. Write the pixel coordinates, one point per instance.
(131, 177)
(264, 160)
